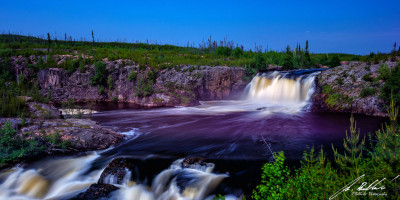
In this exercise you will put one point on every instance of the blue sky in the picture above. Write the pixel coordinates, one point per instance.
(330, 26)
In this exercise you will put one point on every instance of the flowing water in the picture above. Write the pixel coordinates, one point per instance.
(229, 134)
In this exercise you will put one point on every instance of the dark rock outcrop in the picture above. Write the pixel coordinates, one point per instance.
(343, 86)
(117, 169)
(97, 191)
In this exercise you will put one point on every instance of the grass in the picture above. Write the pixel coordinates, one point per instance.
(211, 53)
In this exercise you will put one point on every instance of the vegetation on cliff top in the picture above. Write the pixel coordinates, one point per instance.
(211, 53)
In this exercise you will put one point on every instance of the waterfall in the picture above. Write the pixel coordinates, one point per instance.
(50, 179)
(281, 87)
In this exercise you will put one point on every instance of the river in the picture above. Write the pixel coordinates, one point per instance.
(230, 135)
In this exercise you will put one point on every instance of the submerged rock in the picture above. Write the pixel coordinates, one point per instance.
(119, 171)
(97, 191)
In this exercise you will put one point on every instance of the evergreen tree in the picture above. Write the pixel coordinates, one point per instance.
(93, 37)
(49, 42)
(288, 60)
(335, 61)
(307, 55)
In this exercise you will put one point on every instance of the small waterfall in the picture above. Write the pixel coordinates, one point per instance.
(53, 179)
(192, 182)
(281, 87)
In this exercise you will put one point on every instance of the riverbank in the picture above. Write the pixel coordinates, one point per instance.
(47, 132)
(354, 87)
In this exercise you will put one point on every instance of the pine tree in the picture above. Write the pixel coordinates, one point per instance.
(93, 37)
(288, 60)
(49, 42)
(307, 55)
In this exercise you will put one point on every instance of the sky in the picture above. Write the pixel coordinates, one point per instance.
(357, 27)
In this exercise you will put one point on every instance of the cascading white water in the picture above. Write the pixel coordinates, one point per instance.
(277, 87)
(200, 181)
(67, 177)
(53, 179)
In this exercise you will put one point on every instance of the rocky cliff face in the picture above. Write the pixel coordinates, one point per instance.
(339, 89)
(185, 85)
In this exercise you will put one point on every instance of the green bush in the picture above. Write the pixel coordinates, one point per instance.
(237, 52)
(110, 82)
(223, 51)
(143, 87)
(14, 146)
(259, 62)
(100, 76)
(132, 76)
(288, 59)
(368, 91)
(392, 84)
(367, 77)
(384, 72)
(335, 61)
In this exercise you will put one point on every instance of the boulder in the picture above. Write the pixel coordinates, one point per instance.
(97, 191)
(117, 170)
(43, 111)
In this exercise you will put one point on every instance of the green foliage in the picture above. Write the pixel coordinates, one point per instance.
(14, 146)
(132, 76)
(317, 178)
(387, 147)
(100, 75)
(55, 140)
(339, 81)
(335, 61)
(367, 77)
(110, 82)
(392, 84)
(259, 62)
(237, 52)
(368, 91)
(144, 84)
(274, 179)
(353, 146)
(288, 59)
(384, 72)
(223, 51)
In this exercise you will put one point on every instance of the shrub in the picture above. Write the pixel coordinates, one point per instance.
(367, 77)
(392, 84)
(100, 77)
(259, 62)
(132, 76)
(237, 52)
(335, 61)
(273, 179)
(384, 72)
(339, 81)
(110, 82)
(144, 87)
(223, 51)
(368, 91)
(288, 59)
(14, 146)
